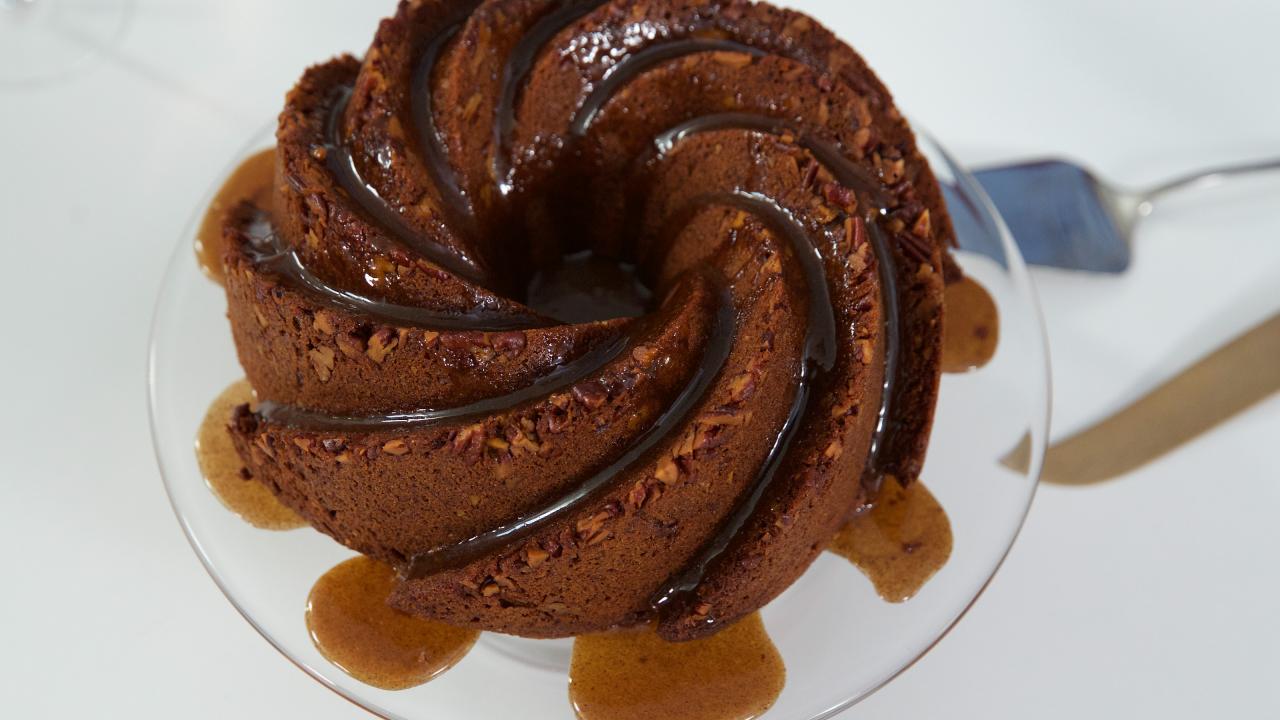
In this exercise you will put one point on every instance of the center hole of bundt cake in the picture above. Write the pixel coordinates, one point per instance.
(585, 287)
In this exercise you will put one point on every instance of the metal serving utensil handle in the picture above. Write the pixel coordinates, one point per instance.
(1128, 207)
(1144, 200)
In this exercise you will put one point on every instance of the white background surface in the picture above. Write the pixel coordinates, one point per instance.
(1154, 595)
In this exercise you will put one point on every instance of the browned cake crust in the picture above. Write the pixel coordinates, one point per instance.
(547, 479)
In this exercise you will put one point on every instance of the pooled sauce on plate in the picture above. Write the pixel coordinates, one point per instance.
(899, 542)
(225, 472)
(970, 328)
(252, 181)
(354, 628)
(635, 675)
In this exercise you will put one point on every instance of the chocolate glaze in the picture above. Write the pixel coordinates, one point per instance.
(268, 252)
(630, 66)
(819, 356)
(429, 136)
(563, 376)
(850, 174)
(893, 339)
(339, 161)
(714, 356)
(872, 197)
(516, 70)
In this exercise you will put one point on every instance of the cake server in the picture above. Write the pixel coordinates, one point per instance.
(1064, 216)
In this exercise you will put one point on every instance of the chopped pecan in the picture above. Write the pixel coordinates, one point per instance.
(637, 496)
(841, 196)
(592, 394)
(732, 59)
(864, 352)
(350, 345)
(469, 440)
(667, 471)
(508, 343)
(323, 322)
(893, 170)
(395, 447)
(742, 387)
(521, 441)
(862, 138)
(535, 556)
(322, 360)
(643, 354)
(922, 227)
(381, 343)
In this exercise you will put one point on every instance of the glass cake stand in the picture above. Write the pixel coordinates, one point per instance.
(839, 640)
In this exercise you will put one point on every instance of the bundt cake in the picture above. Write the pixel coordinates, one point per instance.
(545, 478)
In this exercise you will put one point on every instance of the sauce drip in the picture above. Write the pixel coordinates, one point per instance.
(971, 327)
(899, 542)
(354, 628)
(735, 674)
(225, 473)
(252, 181)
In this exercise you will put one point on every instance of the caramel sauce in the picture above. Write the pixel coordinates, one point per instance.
(225, 472)
(899, 542)
(251, 181)
(354, 628)
(635, 675)
(971, 330)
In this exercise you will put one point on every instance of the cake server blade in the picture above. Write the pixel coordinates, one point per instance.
(1062, 215)
(1227, 381)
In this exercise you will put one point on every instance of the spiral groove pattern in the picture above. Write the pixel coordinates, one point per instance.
(545, 478)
